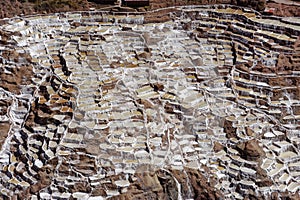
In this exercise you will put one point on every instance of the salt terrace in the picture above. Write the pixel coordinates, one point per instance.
(94, 103)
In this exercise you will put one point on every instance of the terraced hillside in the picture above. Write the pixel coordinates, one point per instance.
(204, 104)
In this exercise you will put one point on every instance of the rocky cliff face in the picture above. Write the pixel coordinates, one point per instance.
(258, 5)
(202, 104)
(285, 8)
(10, 8)
(20, 7)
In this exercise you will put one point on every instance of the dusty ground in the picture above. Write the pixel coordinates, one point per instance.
(285, 9)
(15, 8)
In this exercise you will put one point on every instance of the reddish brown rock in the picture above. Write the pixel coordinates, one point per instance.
(18, 77)
(262, 178)
(13, 8)
(284, 63)
(44, 177)
(20, 7)
(258, 5)
(229, 129)
(146, 185)
(284, 10)
(158, 16)
(161, 184)
(4, 125)
(218, 146)
(251, 150)
(4, 130)
(202, 189)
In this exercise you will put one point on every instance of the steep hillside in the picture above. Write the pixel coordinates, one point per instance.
(191, 102)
